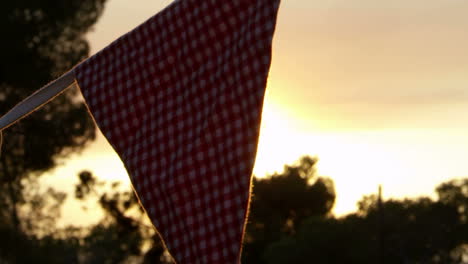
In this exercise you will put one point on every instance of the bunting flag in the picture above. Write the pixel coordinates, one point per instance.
(180, 100)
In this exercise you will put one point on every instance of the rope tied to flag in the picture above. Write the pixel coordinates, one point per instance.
(35, 101)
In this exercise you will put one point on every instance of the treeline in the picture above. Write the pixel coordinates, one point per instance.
(290, 222)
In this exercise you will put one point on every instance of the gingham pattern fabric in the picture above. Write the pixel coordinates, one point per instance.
(180, 100)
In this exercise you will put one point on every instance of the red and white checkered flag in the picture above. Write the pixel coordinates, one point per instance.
(180, 100)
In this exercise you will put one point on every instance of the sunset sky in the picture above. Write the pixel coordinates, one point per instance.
(377, 90)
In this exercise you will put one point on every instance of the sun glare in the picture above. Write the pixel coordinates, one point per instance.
(356, 162)
(277, 143)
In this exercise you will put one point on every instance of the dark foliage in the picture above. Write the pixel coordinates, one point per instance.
(41, 40)
(401, 231)
(281, 203)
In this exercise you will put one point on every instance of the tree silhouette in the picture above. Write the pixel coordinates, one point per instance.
(414, 231)
(455, 193)
(125, 229)
(281, 202)
(42, 39)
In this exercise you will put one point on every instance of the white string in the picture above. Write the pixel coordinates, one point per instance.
(37, 99)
